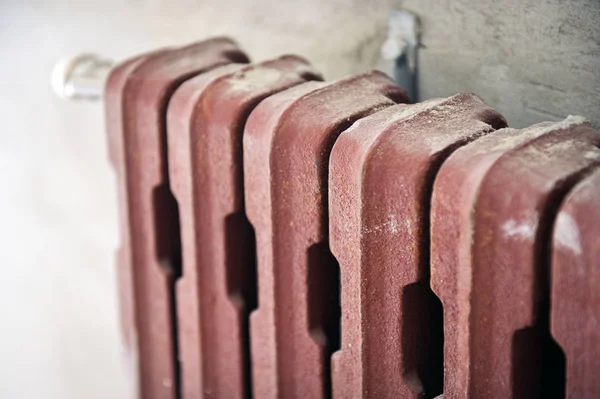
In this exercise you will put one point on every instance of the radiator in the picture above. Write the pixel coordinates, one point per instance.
(286, 237)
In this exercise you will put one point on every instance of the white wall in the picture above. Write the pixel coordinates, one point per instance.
(59, 334)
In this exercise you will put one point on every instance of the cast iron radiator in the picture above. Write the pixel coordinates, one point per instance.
(286, 237)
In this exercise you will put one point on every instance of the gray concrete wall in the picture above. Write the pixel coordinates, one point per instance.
(532, 60)
(59, 338)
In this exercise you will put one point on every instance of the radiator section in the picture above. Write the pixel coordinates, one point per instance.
(575, 277)
(206, 119)
(381, 178)
(286, 149)
(138, 92)
(493, 208)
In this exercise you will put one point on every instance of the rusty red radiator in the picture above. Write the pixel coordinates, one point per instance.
(285, 237)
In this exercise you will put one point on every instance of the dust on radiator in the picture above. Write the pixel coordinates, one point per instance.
(286, 237)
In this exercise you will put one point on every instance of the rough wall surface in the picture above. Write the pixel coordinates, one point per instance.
(531, 60)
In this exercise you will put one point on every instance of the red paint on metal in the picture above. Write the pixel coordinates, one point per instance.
(575, 312)
(492, 211)
(287, 142)
(381, 177)
(206, 118)
(137, 95)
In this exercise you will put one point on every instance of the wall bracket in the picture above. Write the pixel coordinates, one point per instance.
(399, 51)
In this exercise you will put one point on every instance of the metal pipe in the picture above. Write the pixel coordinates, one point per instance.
(81, 77)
